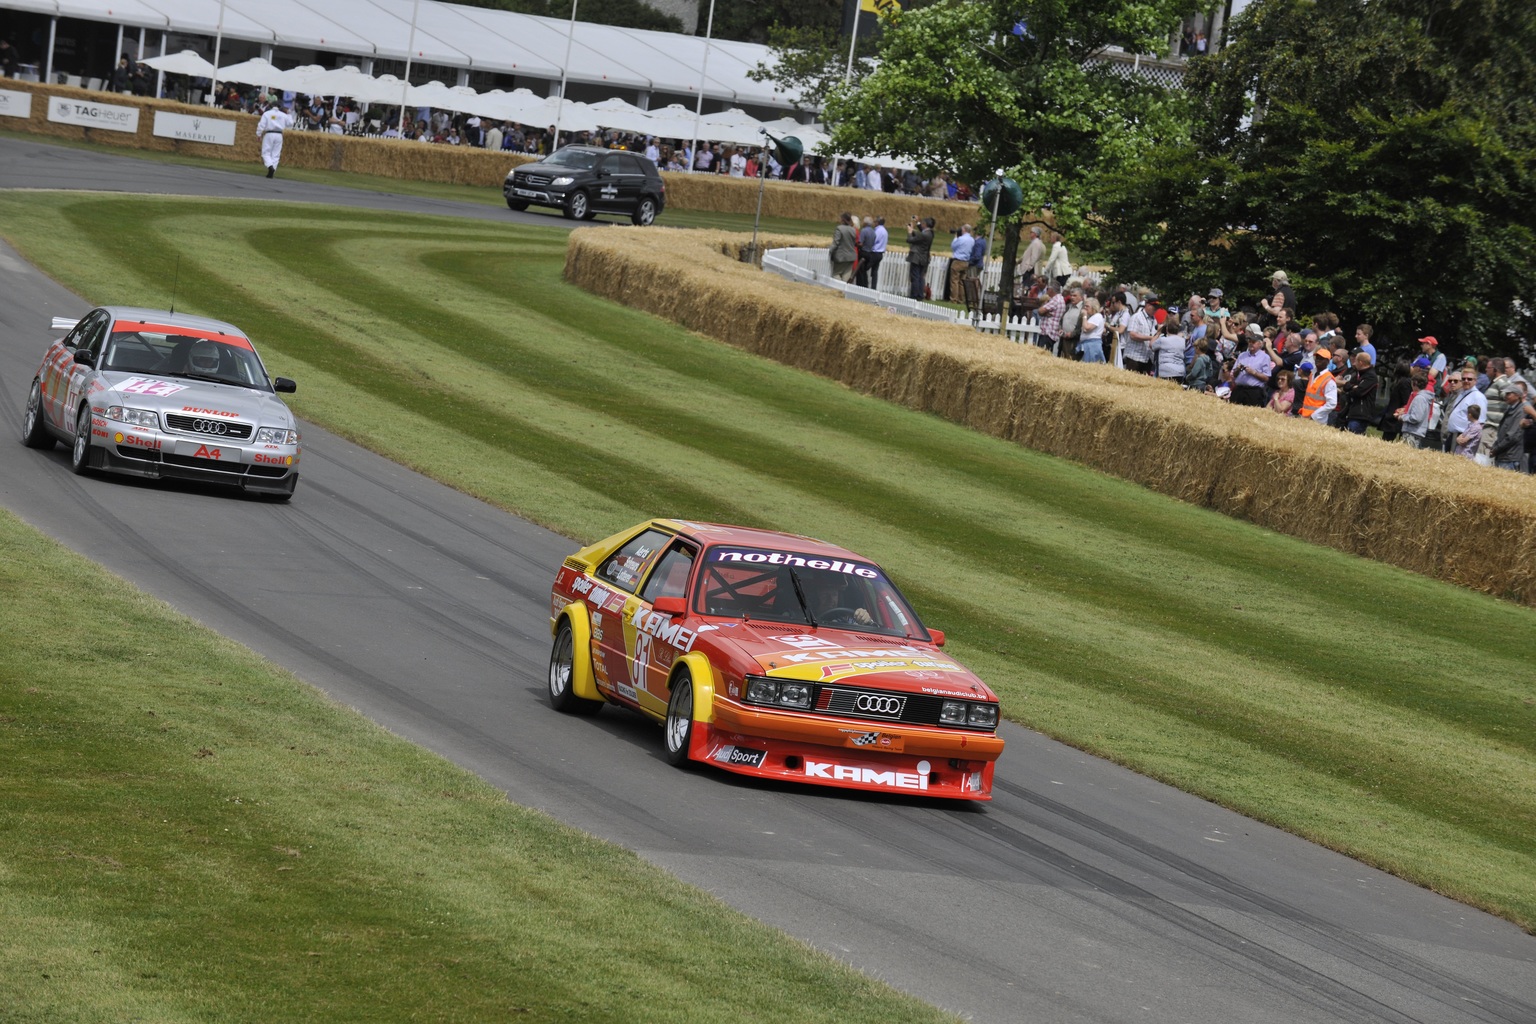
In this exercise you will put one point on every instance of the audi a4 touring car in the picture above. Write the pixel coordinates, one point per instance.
(770, 655)
(158, 394)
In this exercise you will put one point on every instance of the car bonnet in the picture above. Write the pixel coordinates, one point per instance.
(167, 394)
(825, 655)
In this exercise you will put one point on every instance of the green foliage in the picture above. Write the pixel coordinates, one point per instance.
(809, 61)
(957, 89)
(1379, 151)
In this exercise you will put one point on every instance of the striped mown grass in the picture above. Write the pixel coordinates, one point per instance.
(1383, 713)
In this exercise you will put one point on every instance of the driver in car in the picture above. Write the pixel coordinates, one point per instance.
(833, 601)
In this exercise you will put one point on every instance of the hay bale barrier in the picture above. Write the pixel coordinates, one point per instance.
(458, 165)
(1433, 514)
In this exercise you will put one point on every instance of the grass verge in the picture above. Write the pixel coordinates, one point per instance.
(204, 838)
(1381, 713)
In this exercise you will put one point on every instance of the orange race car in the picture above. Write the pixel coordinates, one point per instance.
(771, 655)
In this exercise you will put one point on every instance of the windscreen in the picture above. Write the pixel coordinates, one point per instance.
(812, 590)
(180, 352)
(578, 159)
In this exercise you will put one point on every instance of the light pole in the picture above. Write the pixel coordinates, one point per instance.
(698, 112)
(565, 71)
(410, 51)
(218, 43)
(981, 280)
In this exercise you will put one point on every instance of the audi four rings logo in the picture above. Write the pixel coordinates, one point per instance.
(210, 426)
(877, 705)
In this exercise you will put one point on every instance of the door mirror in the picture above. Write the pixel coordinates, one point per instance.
(284, 386)
(671, 607)
(85, 358)
(938, 637)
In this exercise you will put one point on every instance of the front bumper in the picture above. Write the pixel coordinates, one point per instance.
(539, 195)
(140, 451)
(873, 756)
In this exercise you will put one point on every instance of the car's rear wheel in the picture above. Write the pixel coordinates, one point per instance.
(517, 204)
(34, 432)
(80, 453)
(678, 728)
(562, 676)
(645, 213)
(578, 206)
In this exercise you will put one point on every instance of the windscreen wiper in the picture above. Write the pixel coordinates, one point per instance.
(794, 578)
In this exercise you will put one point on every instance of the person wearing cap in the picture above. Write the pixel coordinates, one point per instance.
(1431, 349)
(1215, 307)
(1255, 368)
(1322, 395)
(269, 132)
(1136, 350)
(1503, 373)
(1508, 449)
(1281, 294)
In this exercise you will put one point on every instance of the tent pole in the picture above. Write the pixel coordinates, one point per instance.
(565, 72)
(698, 113)
(410, 51)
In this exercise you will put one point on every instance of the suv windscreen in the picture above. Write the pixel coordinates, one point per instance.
(574, 158)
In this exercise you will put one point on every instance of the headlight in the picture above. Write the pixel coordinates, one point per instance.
(276, 435)
(137, 417)
(953, 712)
(787, 693)
(983, 716)
(564, 179)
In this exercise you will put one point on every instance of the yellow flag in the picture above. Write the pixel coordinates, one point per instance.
(886, 7)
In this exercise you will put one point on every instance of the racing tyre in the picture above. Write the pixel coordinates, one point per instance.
(578, 207)
(678, 729)
(562, 670)
(80, 452)
(517, 204)
(645, 213)
(34, 432)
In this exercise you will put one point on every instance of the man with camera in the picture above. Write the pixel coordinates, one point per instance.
(919, 250)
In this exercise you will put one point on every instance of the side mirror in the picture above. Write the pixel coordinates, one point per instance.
(938, 637)
(284, 386)
(671, 607)
(85, 358)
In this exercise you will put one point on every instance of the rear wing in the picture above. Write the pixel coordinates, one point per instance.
(64, 323)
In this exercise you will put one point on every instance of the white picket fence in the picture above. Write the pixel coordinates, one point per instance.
(814, 266)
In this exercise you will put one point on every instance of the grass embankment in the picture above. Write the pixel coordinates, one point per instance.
(1384, 714)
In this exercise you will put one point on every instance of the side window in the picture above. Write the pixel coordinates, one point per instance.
(629, 165)
(82, 331)
(626, 567)
(95, 334)
(670, 577)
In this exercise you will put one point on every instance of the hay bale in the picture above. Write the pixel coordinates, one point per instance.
(1430, 513)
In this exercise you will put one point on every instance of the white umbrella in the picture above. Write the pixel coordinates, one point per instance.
(441, 97)
(187, 62)
(259, 72)
(674, 121)
(623, 116)
(347, 81)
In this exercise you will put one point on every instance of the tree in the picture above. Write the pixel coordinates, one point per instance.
(976, 85)
(808, 62)
(1379, 151)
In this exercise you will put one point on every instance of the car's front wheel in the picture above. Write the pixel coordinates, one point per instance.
(562, 676)
(578, 206)
(678, 728)
(517, 204)
(645, 213)
(34, 432)
(80, 454)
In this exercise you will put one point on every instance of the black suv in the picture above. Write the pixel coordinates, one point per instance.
(583, 181)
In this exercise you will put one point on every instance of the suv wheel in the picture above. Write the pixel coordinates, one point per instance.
(517, 204)
(578, 207)
(645, 213)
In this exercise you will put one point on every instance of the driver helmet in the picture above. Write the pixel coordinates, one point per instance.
(204, 357)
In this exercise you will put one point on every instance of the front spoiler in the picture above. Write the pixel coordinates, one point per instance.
(862, 768)
(146, 463)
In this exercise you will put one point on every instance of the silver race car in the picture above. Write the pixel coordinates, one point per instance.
(158, 394)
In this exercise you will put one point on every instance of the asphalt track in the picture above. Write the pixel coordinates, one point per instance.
(1083, 892)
